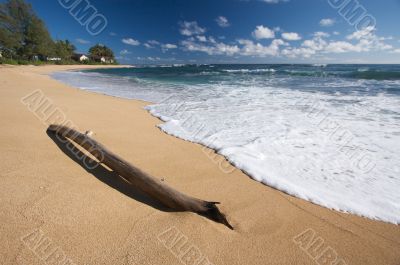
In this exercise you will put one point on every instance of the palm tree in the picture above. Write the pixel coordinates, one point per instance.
(100, 50)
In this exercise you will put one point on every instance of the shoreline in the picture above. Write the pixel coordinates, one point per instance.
(76, 207)
(241, 168)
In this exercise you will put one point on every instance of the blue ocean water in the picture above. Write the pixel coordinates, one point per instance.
(329, 134)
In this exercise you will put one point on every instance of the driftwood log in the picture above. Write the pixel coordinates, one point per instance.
(153, 187)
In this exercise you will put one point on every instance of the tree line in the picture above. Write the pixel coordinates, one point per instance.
(24, 37)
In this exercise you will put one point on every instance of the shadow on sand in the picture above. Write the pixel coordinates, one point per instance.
(103, 174)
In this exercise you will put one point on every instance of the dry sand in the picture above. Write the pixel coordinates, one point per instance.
(53, 209)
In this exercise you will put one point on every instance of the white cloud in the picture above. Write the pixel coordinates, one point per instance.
(274, 1)
(153, 58)
(211, 48)
(82, 41)
(113, 34)
(222, 22)
(343, 46)
(153, 42)
(336, 33)
(212, 40)
(191, 28)
(318, 46)
(124, 52)
(262, 32)
(227, 49)
(202, 38)
(327, 22)
(130, 41)
(298, 52)
(363, 33)
(242, 47)
(368, 40)
(168, 46)
(386, 38)
(308, 47)
(321, 34)
(291, 36)
(158, 59)
(360, 41)
(256, 49)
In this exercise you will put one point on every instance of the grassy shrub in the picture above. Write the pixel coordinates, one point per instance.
(8, 61)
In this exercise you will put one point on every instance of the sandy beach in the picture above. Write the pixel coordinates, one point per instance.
(54, 210)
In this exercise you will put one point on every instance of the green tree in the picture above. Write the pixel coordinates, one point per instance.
(14, 19)
(100, 50)
(37, 40)
(22, 32)
(64, 49)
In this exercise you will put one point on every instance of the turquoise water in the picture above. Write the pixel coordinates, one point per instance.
(300, 76)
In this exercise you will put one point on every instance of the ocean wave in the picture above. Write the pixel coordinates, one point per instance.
(375, 75)
(362, 73)
(308, 73)
(269, 70)
(209, 73)
(320, 65)
(363, 69)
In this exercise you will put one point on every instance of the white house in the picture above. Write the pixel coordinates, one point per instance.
(83, 58)
(80, 57)
(53, 59)
(102, 59)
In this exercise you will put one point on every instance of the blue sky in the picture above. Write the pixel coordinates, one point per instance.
(240, 31)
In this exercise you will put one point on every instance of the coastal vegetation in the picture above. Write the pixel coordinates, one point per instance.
(25, 39)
